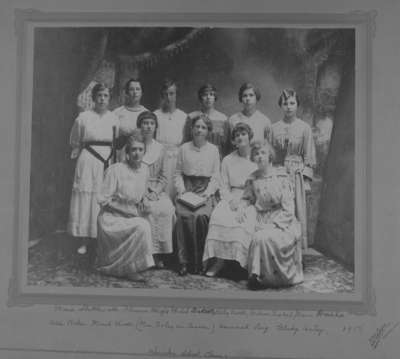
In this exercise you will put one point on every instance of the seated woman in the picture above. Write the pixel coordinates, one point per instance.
(275, 251)
(227, 239)
(124, 246)
(197, 171)
(162, 211)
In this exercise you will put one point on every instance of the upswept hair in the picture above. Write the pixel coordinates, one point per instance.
(285, 94)
(241, 126)
(136, 136)
(206, 120)
(258, 145)
(247, 86)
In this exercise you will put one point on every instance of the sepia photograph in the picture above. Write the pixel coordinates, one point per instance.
(217, 159)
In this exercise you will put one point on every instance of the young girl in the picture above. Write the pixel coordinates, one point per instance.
(227, 239)
(219, 136)
(294, 145)
(171, 122)
(162, 211)
(249, 95)
(91, 142)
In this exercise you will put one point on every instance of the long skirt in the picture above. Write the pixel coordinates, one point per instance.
(227, 238)
(124, 244)
(162, 219)
(275, 256)
(84, 208)
(171, 158)
(192, 226)
(294, 166)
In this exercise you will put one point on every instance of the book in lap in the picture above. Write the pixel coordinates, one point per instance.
(192, 200)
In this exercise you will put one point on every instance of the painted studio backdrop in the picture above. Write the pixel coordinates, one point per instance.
(318, 63)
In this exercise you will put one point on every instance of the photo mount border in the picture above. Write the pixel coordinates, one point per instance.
(361, 302)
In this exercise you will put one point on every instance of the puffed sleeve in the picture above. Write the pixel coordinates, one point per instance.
(178, 179)
(285, 216)
(214, 183)
(309, 153)
(225, 188)
(248, 192)
(108, 188)
(76, 137)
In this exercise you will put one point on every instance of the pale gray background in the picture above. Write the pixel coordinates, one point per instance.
(27, 327)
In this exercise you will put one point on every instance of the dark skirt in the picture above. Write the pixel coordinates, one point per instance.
(192, 225)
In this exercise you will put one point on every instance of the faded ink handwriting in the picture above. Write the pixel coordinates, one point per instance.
(382, 333)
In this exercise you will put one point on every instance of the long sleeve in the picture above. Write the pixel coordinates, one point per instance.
(75, 138)
(309, 153)
(214, 183)
(285, 216)
(178, 179)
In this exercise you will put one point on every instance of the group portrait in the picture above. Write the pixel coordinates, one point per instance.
(193, 158)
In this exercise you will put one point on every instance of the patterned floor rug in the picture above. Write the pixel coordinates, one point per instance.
(53, 262)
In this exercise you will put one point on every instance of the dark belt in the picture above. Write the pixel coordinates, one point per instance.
(91, 150)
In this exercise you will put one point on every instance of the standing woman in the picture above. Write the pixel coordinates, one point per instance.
(275, 250)
(219, 136)
(129, 112)
(162, 211)
(171, 122)
(91, 140)
(197, 171)
(249, 95)
(124, 240)
(294, 146)
(227, 239)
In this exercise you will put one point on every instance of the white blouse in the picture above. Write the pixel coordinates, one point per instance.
(91, 126)
(127, 118)
(235, 170)
(195, 161)
(170, 126)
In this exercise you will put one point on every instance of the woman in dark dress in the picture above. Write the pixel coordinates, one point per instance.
(198, 171)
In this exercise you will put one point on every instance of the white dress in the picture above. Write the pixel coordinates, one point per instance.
(127, 119)
(227, 238)
(258, 122)
(170, 134)
(124, 238)
(88, 126)
(162, 211)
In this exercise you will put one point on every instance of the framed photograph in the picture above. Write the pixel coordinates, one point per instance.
(322, 61)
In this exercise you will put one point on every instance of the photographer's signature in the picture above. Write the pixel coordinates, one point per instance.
(381, 333)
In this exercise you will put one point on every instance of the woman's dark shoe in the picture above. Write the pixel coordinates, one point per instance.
(159, 264)
(253, 283)
(183, 270)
